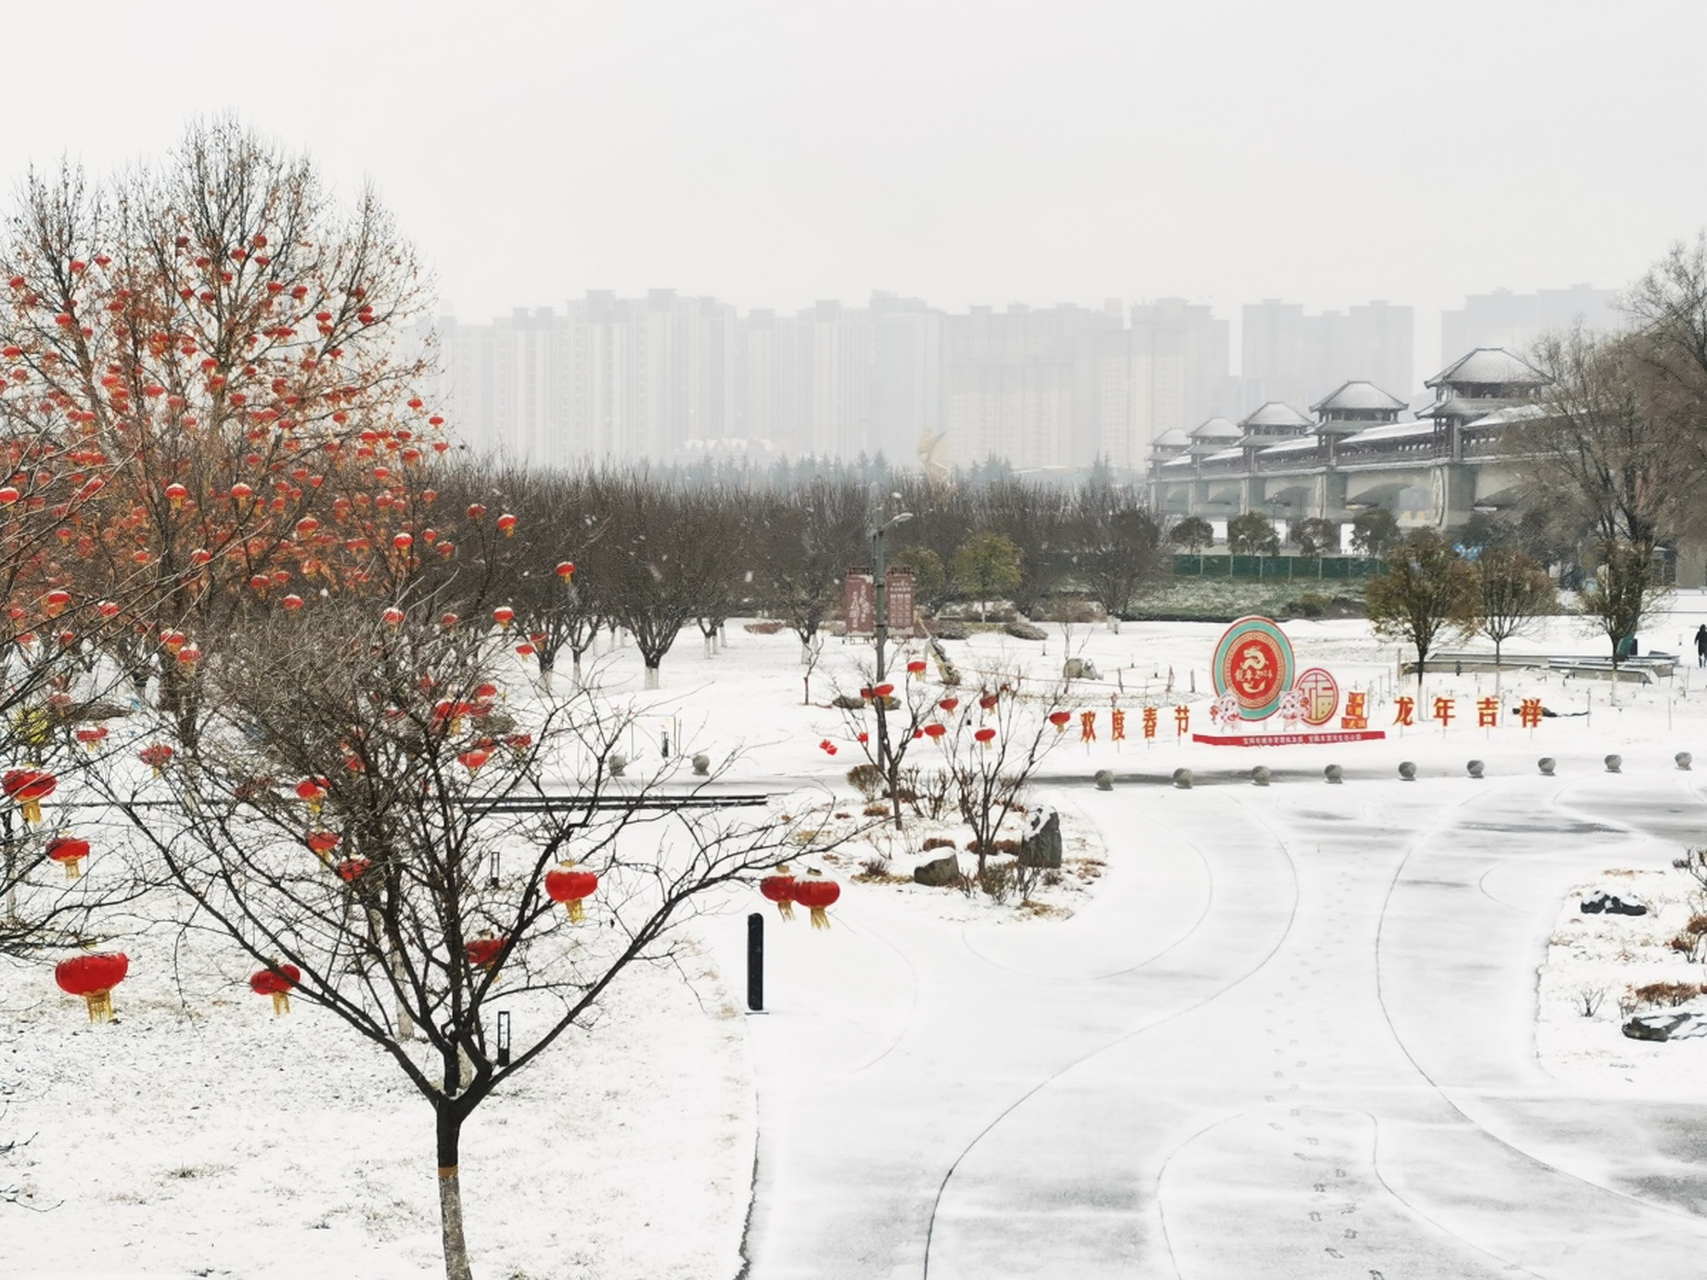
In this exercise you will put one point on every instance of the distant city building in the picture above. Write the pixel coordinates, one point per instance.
(674, 378)
(1288, 356)
(1513, 321)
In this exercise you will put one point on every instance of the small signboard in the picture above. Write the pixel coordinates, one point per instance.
(859, 601)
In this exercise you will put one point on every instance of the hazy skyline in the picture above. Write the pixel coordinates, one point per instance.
(776, 154)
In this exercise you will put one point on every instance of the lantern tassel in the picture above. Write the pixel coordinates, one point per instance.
(819, 919)
(785, 909)
(100, 1005)
(281, 1004)
(32, 811)
(73, 868)
(577, 912)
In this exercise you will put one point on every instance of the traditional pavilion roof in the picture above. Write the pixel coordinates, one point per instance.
(1172, 438)
(1489, 366)
(1216, 429)
(1355, 397)
(1275, 418)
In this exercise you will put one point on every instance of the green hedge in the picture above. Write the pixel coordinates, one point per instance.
(1279, 568)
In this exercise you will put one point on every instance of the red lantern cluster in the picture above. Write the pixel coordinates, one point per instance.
(156, 756)
(484, 951)
(572, 888)
(278, 982)
(93, 977)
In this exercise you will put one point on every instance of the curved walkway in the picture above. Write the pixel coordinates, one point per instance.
(1292, 1036)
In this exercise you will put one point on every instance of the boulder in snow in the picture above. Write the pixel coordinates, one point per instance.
(1040, 842)
(1613, 905)
(938, 873)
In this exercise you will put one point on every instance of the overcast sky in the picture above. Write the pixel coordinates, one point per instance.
(772, 154)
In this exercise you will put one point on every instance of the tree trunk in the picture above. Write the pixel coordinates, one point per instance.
(651, 676)
(405, 1023)
(449, 1126)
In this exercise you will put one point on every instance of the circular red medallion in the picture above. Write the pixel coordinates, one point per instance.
(1321, 695)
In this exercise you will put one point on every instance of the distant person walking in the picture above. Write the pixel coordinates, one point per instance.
(1701, 645)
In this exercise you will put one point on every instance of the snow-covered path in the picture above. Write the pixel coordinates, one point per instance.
(1293, 1035)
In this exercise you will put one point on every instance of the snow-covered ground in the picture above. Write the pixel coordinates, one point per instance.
(1300, 1030)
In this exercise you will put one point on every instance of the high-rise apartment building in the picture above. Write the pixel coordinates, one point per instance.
(1513, 321)
(1296, 359)
(1177, 376)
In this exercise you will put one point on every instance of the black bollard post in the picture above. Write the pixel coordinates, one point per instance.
(756, 962)
(503, 1037)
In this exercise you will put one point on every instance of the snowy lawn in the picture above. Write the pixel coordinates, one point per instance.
(1223, 979)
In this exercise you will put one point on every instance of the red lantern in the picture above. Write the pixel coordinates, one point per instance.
(985, 736)
(352, 869)
(484, 951)
(91, 736)
(780, 890)
(277, 982)
(311, 791)
(55, 603)
(393, 616)
(524, 651)
(1059, 719)
(949, 704)
(503, 615)
(473, 759)
(107, 609)
(817, 893)
(156, 756)
(69, 852)
(28, 788)
(571, 888)
(93, 977)
(566, 570)
(476, 510)
(916, 668)
(935, 731)
(883, 690)
(507, 523)
(241, 492)
(403, 541)
(321, 843)
(292, 602)
(988, 701)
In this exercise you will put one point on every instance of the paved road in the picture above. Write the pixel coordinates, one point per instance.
(1292, 1036)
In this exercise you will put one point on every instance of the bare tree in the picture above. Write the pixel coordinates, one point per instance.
(810, 538)
(1428, 590)
(1514, 593)
(407, 786)
(1117, 549)
(1612, 444)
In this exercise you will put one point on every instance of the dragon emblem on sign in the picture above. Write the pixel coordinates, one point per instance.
(1253, 664)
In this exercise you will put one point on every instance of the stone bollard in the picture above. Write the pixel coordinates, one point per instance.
(1545, 764)
(1334, 774)
(702, 765)
(1182, 779)
(1260, 775)
(1614, 763)
(618, 762)
(1408, 770)
(1474, 768)
(1105, 780)
(1684, 760)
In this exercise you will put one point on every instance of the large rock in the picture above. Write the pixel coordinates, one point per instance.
(938, 873)
(1079, 669)
(1613, 905)
(1021, 630)
(950, 631)
(1672, 1025)
(1040, 842)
